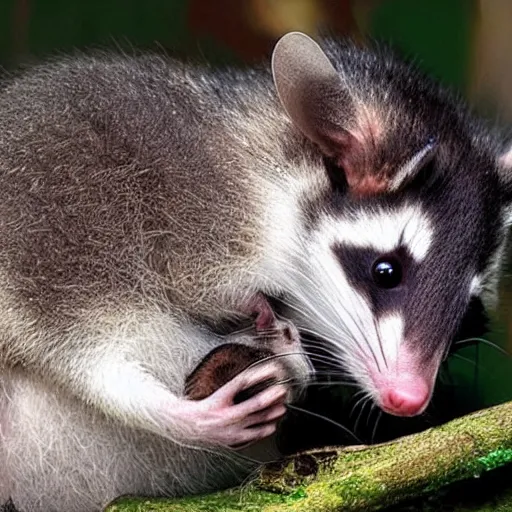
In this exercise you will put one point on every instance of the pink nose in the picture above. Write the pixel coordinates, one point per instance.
(406, 398)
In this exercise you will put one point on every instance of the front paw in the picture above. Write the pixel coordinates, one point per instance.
(223, 419)
(223, 364)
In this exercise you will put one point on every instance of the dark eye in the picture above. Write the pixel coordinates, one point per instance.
(387, 272)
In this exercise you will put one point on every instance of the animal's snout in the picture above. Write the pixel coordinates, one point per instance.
(403, 383)
(406, 395)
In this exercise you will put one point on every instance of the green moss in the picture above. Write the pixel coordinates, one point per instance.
(299, 494)
(368, 478)
(496, 459)
(233, 500)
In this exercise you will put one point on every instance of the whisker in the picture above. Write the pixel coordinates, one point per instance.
(374, 431)
(325, 418)
(273, 357)
(365, 403)
(373, 407)
(359, 401)
(328, 323)
(489, 343)
(325, 355)
(465, 359)
(329, 315)
(322, 358)
(334, 383)
(330, 382)
(379, 339)
(330, 373)
(237, 332)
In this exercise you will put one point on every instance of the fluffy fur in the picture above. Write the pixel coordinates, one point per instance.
(143, 201)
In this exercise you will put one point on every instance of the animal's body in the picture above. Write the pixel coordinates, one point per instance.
(143, 200)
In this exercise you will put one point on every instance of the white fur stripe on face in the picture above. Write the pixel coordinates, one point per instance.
(391, 334)
(382, 230)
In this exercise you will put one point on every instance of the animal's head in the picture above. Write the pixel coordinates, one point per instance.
(413, 223)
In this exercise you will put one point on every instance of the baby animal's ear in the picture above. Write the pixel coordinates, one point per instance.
(259, 306)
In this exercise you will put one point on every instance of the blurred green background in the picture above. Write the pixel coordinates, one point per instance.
(464, 43)
(438, 32)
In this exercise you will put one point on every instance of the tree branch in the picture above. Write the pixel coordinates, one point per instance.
(363, 478)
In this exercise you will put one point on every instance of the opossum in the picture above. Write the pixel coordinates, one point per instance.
(144, 201)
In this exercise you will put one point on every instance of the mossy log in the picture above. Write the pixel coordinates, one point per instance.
(363, 478)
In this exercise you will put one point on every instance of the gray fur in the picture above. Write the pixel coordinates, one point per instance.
(116, 235)
(144, 201)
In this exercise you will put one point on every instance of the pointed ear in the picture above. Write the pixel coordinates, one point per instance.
(319, 104)
(311, 91)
